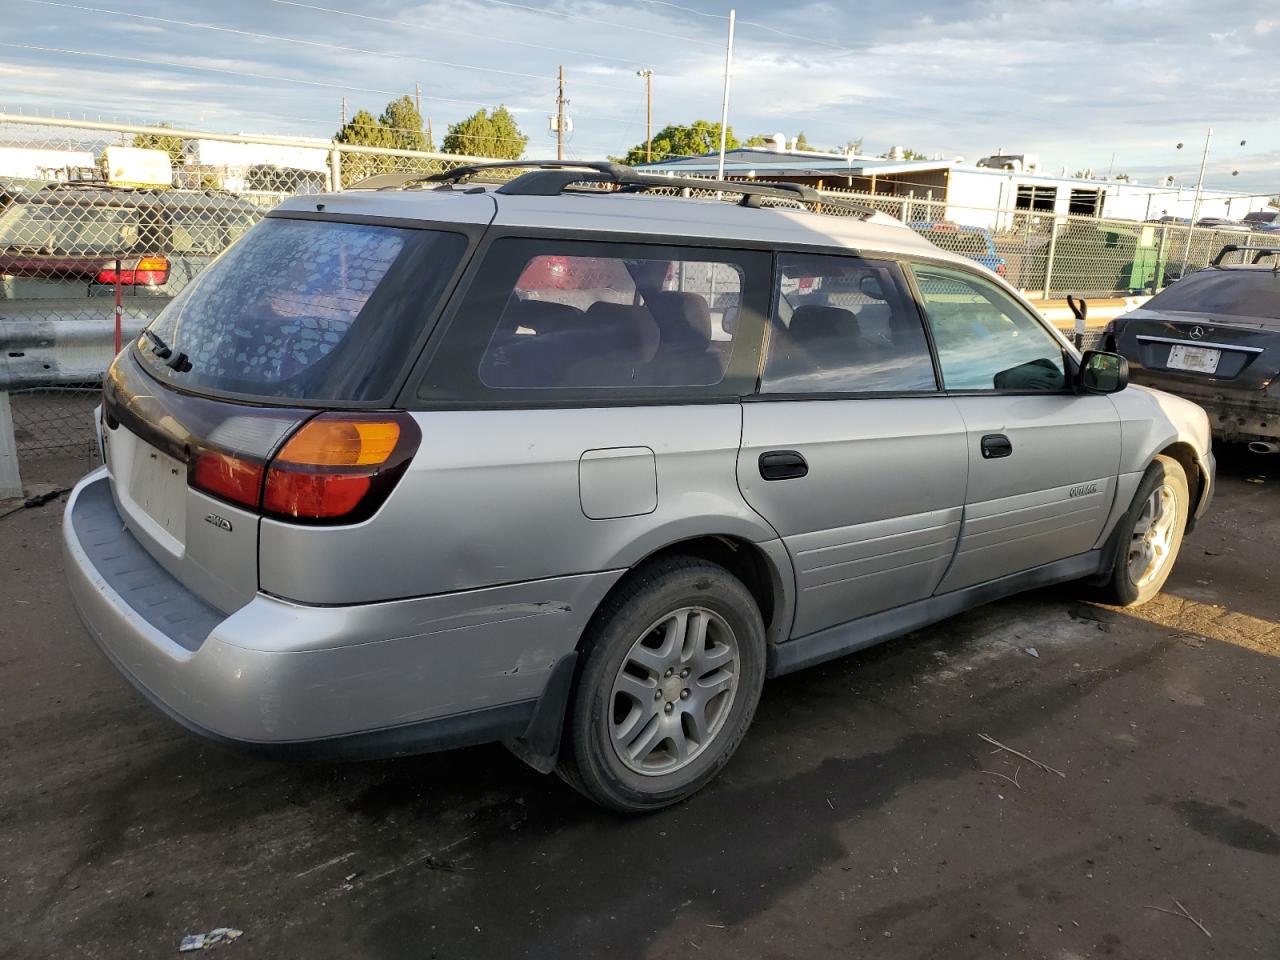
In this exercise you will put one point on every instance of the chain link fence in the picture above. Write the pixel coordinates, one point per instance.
(92, 227)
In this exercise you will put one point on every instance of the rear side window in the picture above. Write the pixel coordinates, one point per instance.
(561, 319)
(1237, 293)
(845, 325)
(305, 310)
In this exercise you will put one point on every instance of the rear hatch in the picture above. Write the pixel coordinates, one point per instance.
(1216, 328)
(264, 388)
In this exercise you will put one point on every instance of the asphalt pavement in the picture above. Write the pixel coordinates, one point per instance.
(866, 814)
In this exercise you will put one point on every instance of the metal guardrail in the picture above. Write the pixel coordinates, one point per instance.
(56, 323)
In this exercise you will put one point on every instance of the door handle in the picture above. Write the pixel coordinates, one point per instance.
(995, 445)
(782, 465)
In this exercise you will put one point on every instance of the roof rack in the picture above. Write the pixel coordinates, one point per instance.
(550, 178)
(1258, 252)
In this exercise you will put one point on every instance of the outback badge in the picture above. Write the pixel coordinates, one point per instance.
(222, 523)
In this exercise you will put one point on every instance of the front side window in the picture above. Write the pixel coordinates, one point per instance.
(985, 339)
(844, 325)
(552, 319)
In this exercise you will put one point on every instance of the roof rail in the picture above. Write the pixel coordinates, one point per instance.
(549, 178)
(1258, 252)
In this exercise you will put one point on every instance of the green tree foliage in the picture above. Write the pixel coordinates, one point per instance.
(365, 130)
(907, 155)
(485, 134)
(404, 123)
(399, 128)
(684, 140)
(160, 141)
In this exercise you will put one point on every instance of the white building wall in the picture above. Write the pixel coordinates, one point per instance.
(37, 164)
(975, 196)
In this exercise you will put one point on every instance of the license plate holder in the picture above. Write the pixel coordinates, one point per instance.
(1194, 359)
(158, 486)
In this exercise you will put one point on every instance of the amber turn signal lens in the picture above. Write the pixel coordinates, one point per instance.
(341, 443)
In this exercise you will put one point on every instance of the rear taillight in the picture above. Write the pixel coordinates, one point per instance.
(336, 468)
(232, 478)
(339, 467)
(145, 272)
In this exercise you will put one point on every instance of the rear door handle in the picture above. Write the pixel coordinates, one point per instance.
(782, 465)
(996, 445)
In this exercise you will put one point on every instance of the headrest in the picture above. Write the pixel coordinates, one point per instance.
(624, 327)
(683, 318)
(814, 322)
(545, 316)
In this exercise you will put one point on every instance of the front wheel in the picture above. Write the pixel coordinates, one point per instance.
(672, 668)
(1150, 535)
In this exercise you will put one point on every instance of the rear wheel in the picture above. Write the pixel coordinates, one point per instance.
(672, 669)
(1150, 535)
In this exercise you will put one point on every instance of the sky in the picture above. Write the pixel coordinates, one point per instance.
(1076, 82)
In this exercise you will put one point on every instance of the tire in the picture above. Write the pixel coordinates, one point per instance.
(670, 672)
(1150, 535)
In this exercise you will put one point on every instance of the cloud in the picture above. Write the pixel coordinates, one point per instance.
(1073, 81)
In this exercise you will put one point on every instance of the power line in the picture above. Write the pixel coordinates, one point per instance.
(676, 6)
(608, 23)
(232, 73)
(309, 43)
(434, 28)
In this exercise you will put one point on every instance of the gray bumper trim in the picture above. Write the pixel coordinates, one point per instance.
(149, 589)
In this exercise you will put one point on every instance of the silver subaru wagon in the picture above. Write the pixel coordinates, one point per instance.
(576, 460)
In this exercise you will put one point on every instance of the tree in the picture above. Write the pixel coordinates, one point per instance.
(365, 130)
(853, 146)
(404, 123)
(1275, 201)
(759, 140)
(906, 155)
(487, 135)
(684, 140)
(160, 141)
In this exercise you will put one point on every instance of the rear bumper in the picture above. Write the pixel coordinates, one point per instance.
(1235, 416)
(377, 679)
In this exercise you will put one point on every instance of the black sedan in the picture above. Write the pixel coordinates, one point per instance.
(1214, 338)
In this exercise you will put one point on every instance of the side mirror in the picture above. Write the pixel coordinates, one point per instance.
(1102, 372)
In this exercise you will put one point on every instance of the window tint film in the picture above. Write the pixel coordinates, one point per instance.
(305, 309)
(985, 339)
(844, 325)
(613, 321)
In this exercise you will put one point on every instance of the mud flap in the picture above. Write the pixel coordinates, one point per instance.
(539, 745)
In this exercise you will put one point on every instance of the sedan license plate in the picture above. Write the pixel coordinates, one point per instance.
(1197, 359)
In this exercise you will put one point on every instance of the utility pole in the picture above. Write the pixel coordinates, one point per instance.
(417, 98)
(724, 104)
(648, 113)
(344, 111)
(431, 141)
(1195, 205)
(560, 116)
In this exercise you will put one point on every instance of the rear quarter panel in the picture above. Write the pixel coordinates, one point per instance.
(496, 496)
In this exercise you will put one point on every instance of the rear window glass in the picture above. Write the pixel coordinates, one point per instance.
(1237, 293)
(56, 229)
(307, 310)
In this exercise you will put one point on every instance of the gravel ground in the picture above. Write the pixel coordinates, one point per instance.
(863, 816)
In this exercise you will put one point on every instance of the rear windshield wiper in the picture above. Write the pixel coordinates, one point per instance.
(158, 346)
(175, 361)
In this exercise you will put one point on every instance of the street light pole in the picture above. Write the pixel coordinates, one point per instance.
(648, 113)
(724, 104)
(1195, 204)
